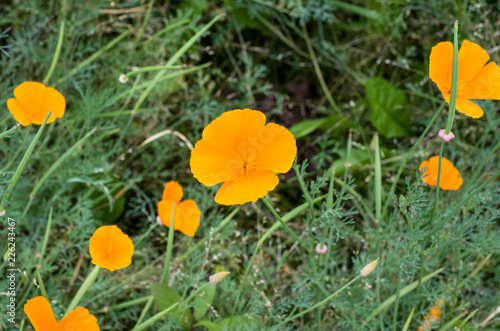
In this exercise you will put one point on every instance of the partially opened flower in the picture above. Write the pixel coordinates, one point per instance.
(244, 153)
(186, 215)
(42, 317)
(33, 101)
(450, 176)
(432, 316)
(110, 248)
(475, 79)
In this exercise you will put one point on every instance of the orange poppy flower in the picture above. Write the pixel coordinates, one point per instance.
(110, 248)
(42, 317)
(187, 215)
(433, 315)
(450, 176)
(34, 101)
(244, 153)
(475, 79)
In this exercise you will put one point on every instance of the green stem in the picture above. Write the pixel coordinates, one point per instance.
(396, 305)
(11, 130)
(24, 161)
(45, 238)
(321, 303)
(151, 68)
(128, 303)
(304, 189)
(170, 244)
(144, 311)
(454, 80)
(436, 199)
(42, 286)
(378, 181)
(270, 207)
(55, 58)
(143, 26)
(83, 288)
(400, 170)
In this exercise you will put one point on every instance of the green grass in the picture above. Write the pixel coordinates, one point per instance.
(296, 61)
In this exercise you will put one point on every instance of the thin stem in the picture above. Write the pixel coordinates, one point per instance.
(170, 244)
(396, 305)
(321, 303)
(436, 199)
(45, 238)
(304, 189)
(317, 69)
(400, 170)
(454, 80)
(144, 311)
(270, 207)
(378, 181)
(128, 303)
(83, 288)
(55, 58)
(143, 26)
(151, 68)
(11, 130)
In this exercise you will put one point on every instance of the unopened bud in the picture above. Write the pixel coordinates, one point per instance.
(218, 277)
(321, 249)
(368, 269)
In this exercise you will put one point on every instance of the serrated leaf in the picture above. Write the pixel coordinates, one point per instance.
(202, 302)
(389, 113)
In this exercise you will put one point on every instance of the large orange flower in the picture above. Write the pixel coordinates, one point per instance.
(42, 317)
(187, 215)
(450, 176)
(34, 101)
(242, 151)
(110, 248)
(475, 79)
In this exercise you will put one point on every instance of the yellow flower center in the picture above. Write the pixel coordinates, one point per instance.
(245, 163)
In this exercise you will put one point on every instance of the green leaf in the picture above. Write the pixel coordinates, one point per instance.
(165, 296)
(239, 322)
(389, 114)
(202, 302)
(198, 6)
(211, 326)
(333, 122)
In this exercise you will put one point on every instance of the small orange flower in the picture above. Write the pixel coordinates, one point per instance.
(42, 317)
(433, 315)
(475, 79)
(240, 150)
(187, 215)
(34, 101)
(110, 248)
(450, 176)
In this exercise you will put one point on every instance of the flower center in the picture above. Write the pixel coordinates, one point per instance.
(244, 164)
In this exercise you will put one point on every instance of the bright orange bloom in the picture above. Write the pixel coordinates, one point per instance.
(42, 318)
(450, 176)
(33, 103)
(242, 151)
(110, 248)
(433, 315)
(187, 215)
(475, 79)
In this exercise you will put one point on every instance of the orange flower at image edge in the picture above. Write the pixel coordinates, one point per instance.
(450, 176)
(475, 79)
(244, 153)
(110, 248)
(34, 101)
(432, 316)
(187, 215)
(42, 317)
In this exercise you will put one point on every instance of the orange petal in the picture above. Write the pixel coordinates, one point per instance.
(486, 84)
(471, 58)
(55, 102)
(469, 108)
(40, 314)
(452, 180)
(172, 191)
(165, 212)
(440, 63)
(31, 96)
(79, 319)
(247, 188)
(18, 112)
(276, 148)
(210, 162)
(110, 248)
(225, 136)
(450, 176)
(188, 217)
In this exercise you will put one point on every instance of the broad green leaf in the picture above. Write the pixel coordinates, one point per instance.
(303, 128)
(211, 326)
(198, 6)
(165, 296)
(359, 157)
(389, 113)
(202, 302)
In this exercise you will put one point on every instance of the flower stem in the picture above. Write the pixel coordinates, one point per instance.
(45, 238)
(396, 305)
(24, 161)
(170, 243)
(436, 199)
(270, 207)
(55, 58)
(83, 288)
(454, 80)
(378, 181)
